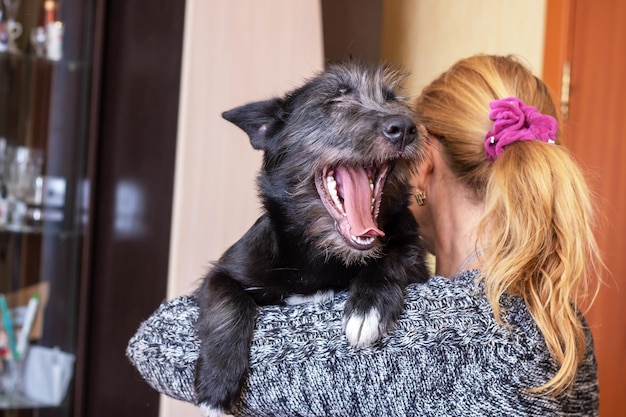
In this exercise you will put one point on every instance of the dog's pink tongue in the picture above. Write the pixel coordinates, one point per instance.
(357, 200)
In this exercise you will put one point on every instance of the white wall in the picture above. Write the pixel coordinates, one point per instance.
(235, 51)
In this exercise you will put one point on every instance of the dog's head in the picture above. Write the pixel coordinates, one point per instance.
(332, 149)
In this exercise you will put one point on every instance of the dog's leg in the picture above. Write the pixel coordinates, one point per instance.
(374, 305)
(376, 298)
(225, 329)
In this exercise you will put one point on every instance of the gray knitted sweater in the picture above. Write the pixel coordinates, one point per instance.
(447, 357)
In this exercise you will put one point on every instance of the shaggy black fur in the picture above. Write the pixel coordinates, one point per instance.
(347, 124)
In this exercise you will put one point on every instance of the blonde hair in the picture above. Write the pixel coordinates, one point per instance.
(536, 235)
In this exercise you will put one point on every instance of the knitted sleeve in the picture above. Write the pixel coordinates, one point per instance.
(447, 356)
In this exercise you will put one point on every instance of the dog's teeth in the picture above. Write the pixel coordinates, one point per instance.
(331, 185)
(363, 240)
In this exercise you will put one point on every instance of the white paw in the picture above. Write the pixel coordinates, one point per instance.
(209, 411)
(320, 297)
(363, 330)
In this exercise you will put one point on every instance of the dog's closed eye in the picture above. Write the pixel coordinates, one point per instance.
(389, 95)
(342, 95)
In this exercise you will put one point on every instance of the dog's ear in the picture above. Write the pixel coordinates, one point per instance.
(259, 120)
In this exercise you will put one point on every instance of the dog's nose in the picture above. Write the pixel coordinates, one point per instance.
(400, 130)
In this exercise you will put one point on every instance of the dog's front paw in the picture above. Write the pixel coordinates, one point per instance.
(362, 329)
(210, 411)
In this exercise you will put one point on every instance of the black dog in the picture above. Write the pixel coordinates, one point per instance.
(337, 158)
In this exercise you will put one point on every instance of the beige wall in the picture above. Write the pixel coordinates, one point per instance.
(237, 51)
(427, 36)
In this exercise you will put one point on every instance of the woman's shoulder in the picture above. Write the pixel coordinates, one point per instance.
(440, 309)
(439, 313)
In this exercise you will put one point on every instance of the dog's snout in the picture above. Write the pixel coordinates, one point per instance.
(399, 130)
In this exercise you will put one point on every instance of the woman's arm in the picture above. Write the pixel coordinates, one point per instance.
(447, 356)
(165, 349)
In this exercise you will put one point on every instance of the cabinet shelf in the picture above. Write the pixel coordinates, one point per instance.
(70, 64)
(22, 229)
(40, 230)
(17, 401)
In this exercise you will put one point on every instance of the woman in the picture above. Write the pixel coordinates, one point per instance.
(507, 213)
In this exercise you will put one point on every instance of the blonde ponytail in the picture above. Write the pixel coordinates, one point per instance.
(536, 238)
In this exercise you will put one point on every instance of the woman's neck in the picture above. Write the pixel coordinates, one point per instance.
(456, 247)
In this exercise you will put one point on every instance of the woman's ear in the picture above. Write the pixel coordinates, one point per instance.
(424, 166)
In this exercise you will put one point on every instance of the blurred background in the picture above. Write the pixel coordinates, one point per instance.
(123, 101)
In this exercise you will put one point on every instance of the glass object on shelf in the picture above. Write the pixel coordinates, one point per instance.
(48, 201)
(31, 375)
(54, 41)
(53, 31)
(41, 379)
(10, 376)
(22, 166)
(11, 8)
(10, 28)
(47, 42)
(38, 40)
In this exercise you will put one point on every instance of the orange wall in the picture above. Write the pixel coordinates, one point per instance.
(591, 37)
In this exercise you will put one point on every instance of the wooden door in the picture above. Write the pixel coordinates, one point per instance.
(591, 37)
(134, 119)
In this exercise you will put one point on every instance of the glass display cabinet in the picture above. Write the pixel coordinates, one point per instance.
(45, 78)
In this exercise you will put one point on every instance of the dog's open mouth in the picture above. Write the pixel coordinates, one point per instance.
(352, 195)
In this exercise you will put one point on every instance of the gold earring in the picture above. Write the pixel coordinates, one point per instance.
(420, 198)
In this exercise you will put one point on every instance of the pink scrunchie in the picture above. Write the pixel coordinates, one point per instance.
(513, 120)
